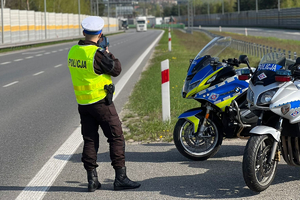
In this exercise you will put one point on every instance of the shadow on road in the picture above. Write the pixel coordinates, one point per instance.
(218, 178)
(171, 155)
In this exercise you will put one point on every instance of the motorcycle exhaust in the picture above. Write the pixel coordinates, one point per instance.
(290, 155)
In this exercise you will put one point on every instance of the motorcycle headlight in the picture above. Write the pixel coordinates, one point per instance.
(266, 97)
(211, 79)
(193, 85)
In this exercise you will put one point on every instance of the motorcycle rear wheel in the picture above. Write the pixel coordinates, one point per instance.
(195, 147)
(257, 173)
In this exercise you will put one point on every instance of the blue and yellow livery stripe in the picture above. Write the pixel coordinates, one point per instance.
(224, 92)
(190, 116)
(224, 103)
(202, 85)
(195, 121)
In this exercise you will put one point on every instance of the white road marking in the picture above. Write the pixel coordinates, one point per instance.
(29, 57)
(294, 33)
(18, 60)
(54, 51)
(60, 50)
(38, 73)
(34, 52)
(57, 66)
(49, 172)
(47, 53)
(4, 63)
(10, 84)
(39, 55)
(37, 187)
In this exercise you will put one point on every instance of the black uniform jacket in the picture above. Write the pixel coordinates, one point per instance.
(105, 63)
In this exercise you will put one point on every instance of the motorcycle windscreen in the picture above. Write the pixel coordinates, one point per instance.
(198, 64)
(266, 70)
(192, 80)
(263, 77)
(212, 50)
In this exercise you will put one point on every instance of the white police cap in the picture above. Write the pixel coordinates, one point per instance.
(92, 25)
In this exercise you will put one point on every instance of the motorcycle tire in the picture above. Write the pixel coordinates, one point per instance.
(191, 146)
(258, 175)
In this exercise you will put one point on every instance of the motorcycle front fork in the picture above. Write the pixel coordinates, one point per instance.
(203, 125)
(275, 144)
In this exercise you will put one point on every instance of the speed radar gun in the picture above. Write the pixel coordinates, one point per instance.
(104, 43)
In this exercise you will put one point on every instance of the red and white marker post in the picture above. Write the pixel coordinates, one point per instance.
(170, 48)
(165, 90)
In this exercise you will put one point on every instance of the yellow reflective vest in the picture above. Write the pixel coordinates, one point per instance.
(88, 86)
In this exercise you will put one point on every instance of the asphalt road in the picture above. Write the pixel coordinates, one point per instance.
(38, 107)
(39, 113)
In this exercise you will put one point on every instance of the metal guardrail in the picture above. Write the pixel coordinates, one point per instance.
(256, 50)
(285, 18)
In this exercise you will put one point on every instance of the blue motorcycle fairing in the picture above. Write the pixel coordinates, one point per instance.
(203, 73)
(193, 64)
(222, 91)
(190, 113)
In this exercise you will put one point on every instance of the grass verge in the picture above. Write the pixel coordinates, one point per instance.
(288, 45)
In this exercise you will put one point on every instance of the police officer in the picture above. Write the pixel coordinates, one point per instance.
(91, 69)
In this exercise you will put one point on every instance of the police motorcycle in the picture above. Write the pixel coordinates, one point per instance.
(199, 132)
(274, 96)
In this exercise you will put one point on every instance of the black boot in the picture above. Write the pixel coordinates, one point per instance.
(93, 180)
(122, 182)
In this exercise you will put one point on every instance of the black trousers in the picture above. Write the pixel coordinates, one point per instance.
(95, 115)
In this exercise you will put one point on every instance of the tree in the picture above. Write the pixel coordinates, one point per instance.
(157, 11)
(58, 6)
(251, 4)
(174, 11)
(267, 4)
(245, 5)
(167, 11)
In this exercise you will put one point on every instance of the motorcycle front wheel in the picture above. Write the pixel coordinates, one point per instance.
(192, 145)
(258, 174)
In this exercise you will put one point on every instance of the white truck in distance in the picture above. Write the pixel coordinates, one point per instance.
(141, 24)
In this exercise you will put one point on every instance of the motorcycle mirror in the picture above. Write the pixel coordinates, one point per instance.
(214, 64)
(243, 59)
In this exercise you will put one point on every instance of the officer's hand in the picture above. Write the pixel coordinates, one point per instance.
(107, 50)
